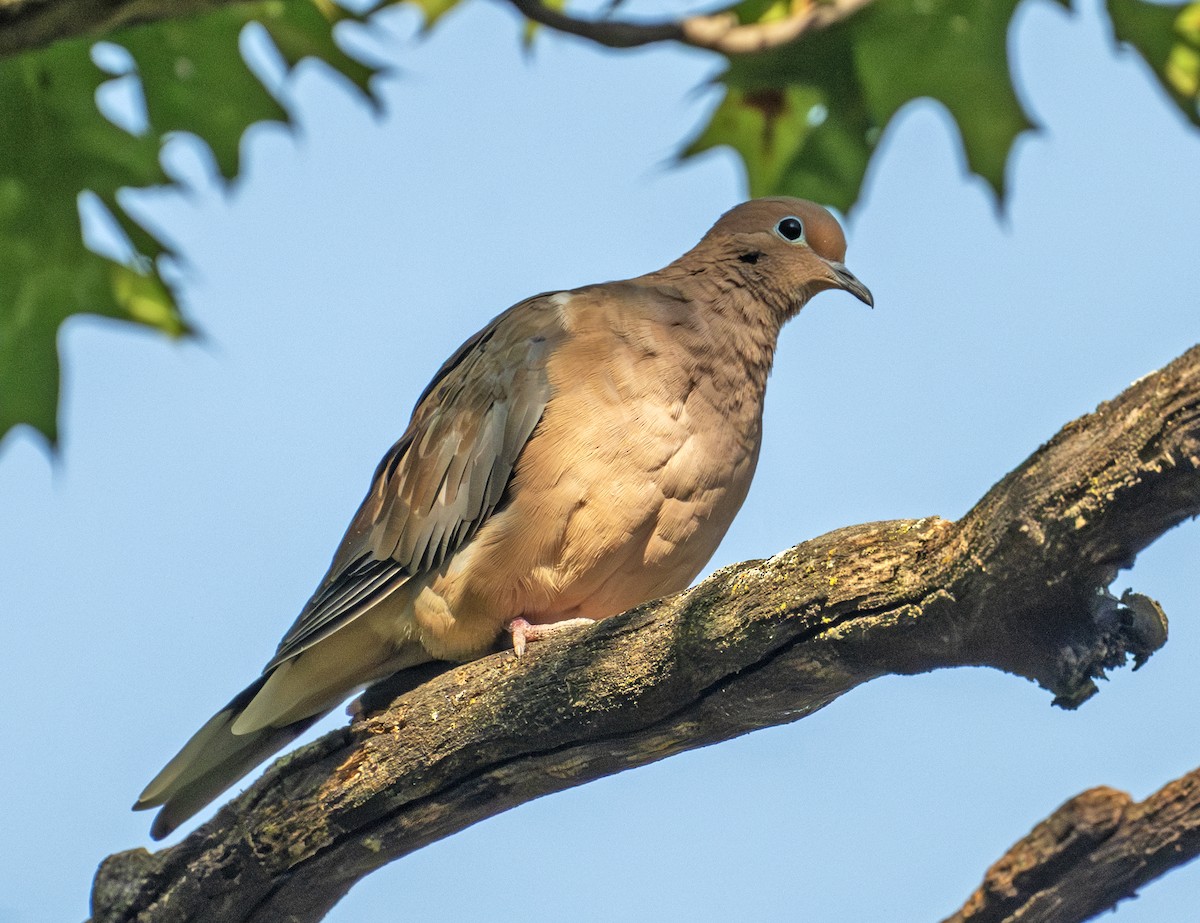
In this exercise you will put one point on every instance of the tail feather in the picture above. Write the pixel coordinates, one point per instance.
(211, 761)
(269, 714)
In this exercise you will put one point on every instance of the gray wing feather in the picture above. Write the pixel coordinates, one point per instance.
(445, 476)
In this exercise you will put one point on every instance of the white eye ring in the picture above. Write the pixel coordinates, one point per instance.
(791, 229)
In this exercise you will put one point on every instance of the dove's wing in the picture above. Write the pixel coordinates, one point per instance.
(446, 475)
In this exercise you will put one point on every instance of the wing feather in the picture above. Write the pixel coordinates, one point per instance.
(448, 472)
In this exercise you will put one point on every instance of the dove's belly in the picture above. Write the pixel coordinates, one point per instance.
(644, 532)
(606, 510)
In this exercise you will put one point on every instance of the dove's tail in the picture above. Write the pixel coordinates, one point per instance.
(269, 714)
(212, 761)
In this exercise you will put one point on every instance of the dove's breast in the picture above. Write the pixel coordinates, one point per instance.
(622, 494)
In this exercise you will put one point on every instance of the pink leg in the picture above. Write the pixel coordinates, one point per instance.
(522, 631)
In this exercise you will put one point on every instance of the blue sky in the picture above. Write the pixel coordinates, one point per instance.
(150, 571)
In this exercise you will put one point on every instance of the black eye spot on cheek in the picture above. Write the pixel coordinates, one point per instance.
(790, 228)
(750, 258)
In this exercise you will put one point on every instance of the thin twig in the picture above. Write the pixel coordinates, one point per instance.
(715, 31)
(29, 24)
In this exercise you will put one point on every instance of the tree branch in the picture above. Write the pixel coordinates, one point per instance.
(715, 32)
(1018, 584)
(1094, 851)
(29, 24)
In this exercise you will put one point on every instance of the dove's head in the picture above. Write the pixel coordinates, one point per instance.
(785, 249)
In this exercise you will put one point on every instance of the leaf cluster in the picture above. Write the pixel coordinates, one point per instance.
(66, 170)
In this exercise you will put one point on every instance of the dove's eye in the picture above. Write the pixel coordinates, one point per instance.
(790, 229)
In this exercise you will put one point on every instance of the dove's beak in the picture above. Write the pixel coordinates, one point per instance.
(847, 281)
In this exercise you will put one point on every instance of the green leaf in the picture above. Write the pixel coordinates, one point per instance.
(962, 52)
(433, 10)
(194, 80)
(1168, 37)
(305, 30)
(768, 126)
(58, 150)
(806, 118)
(56, 146)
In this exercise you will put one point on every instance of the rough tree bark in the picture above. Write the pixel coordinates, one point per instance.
(1019, 584)
(1095, 850)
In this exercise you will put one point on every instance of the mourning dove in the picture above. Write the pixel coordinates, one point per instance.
(581, 454)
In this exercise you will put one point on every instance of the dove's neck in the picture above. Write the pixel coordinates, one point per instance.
(738, 326)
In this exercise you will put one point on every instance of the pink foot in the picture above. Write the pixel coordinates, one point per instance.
(523, 631)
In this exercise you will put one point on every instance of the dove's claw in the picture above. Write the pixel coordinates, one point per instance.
(519, 628)
(523, 631)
